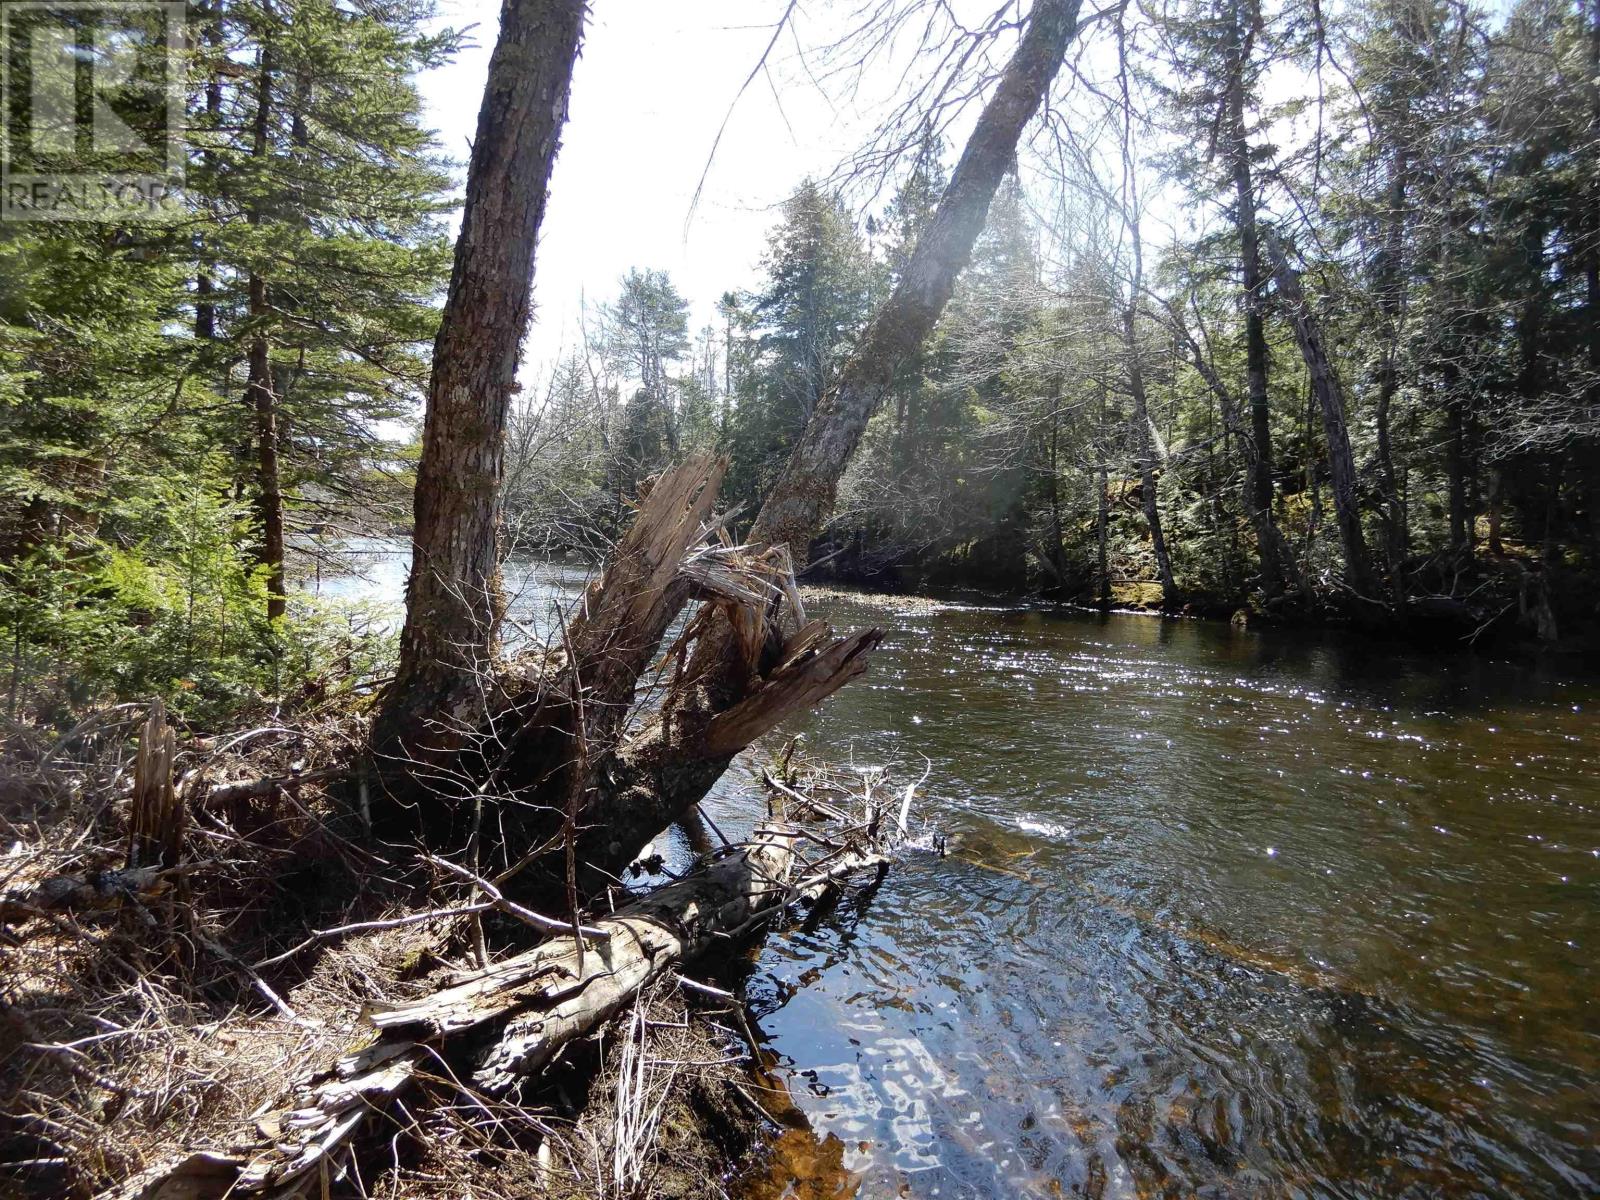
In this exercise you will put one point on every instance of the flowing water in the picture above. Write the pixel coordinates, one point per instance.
(1225, 913)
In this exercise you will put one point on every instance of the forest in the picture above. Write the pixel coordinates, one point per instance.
(1258, 319)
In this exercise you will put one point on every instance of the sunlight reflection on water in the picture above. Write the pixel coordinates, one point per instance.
(1226, 913)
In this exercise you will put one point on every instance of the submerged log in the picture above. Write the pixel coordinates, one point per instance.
(535, 1002)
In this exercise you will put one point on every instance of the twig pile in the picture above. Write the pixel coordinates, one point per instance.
(153, 1012)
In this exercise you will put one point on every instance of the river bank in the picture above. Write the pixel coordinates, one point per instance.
(1256, 910)
(1580, 645)
(165, 1027)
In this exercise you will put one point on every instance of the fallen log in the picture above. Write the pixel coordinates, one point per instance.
(219, 794)
(541, 1000)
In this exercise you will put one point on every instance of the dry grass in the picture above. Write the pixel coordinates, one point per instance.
(131, 1031)
(168, 1022)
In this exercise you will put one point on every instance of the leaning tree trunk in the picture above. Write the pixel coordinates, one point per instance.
(1330, 399)
(802, 497)
(657, 774)
(453, 599)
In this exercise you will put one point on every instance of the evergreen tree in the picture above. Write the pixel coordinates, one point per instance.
(179, 399)
(804, 319)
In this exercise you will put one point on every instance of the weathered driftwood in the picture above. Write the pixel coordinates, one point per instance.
(541, 1000)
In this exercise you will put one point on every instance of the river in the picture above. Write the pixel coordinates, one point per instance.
(1226, 912)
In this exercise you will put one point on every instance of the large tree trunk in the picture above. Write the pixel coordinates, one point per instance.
(1330, 399)
(802, 497)
(1275, 571)
(453, 599)
(673, 760)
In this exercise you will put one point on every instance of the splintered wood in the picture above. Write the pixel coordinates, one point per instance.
(157, 818)
(535, 1003)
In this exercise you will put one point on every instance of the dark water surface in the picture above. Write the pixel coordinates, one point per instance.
(1226, 913)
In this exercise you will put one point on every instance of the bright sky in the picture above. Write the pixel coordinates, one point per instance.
(654, 83)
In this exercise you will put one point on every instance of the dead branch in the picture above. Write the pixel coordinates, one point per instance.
(92, 890)
(542, 1000)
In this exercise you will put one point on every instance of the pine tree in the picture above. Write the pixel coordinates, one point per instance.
(322, 253)
(812, 305)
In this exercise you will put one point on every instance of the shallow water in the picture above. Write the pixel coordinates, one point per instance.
(1226, 913)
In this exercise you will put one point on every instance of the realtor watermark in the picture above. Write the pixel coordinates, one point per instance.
(91, 110)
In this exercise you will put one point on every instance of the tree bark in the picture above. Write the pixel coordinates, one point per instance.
(453, 599)
(1275, 572)
(1330, 399)
(802, 497)
(259, 396)
(1147, 458)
